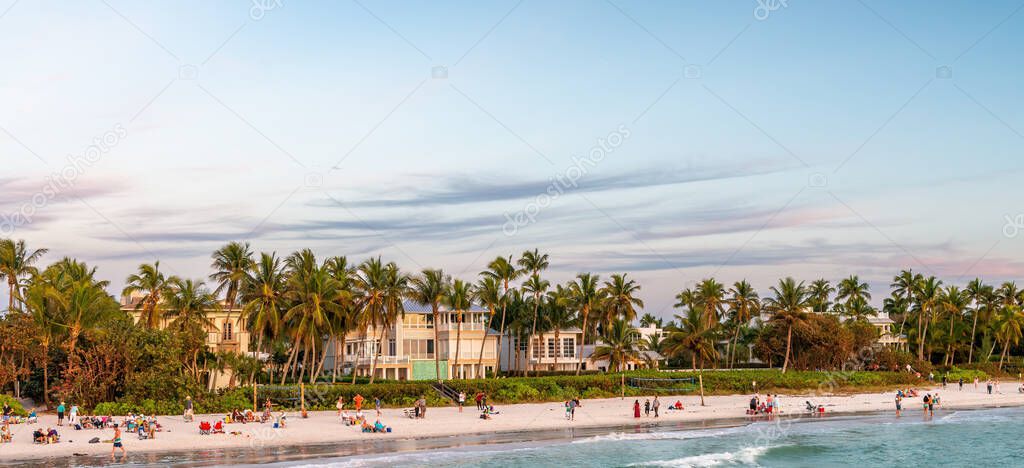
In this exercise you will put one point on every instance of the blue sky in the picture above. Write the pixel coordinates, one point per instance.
(819, 141)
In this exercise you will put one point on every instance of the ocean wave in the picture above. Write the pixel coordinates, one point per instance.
(746, 456)
(424, 457)
(666, 435)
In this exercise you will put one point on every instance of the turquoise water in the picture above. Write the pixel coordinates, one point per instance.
(988, 437)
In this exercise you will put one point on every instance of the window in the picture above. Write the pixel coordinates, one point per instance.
(551, 347)
(418, 321)
(391, 347)
(430, 346)
(418, 349)
(227, 332)
(537, 351)
(568, 347)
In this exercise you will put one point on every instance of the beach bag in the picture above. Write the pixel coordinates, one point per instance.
(94, 440)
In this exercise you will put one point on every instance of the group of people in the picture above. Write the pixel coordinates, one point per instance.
(648, 406)
(769, 406)
(49, 436)
(358, 419)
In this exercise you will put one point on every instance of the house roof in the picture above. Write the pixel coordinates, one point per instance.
(413, 307)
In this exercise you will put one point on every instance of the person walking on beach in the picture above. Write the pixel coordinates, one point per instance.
(657, 404)
(73, 415)
(989, 385)
(961, 384)
(899, 406)
(636, 408)
(340, 404)
(117, 443)
(376, 405)
(479, 396)
(572, 409)
(462, 400)
(647, 407)
(975, 382)
(60, 414)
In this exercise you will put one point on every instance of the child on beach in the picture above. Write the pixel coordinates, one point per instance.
(117, 443)
(647, 407)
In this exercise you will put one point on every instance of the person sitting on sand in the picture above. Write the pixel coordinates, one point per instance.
(52, 437)
(5, 432)
(38, 436)
(281, 420)
(679, 405)
(32, 418)
(378, 426)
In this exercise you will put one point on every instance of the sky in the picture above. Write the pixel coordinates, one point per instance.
(672, 141)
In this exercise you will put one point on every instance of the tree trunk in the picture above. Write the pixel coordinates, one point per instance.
(949, 346)
(558, 348)
(735, 339)
(1002, 355)
(339, 356)
(533, 334)
(920, 334)
(487, 328)
(437, 346)
(974, 328)
(458, 344)
(323, 359)
(46, 375)
(501, 333)
(586, 315)
(287, 364)
(789, 344)
(362, 337)
(376, 354)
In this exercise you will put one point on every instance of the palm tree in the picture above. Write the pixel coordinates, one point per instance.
(38, 303)
(458, 299)
(905, 284)
(231, 264)
(1009, 328)
(978, 293)
(927, 295)
(788, 303)
(262, 298)
(502, 270)
(744, 304)
(649, 320)
(954, 302)
(821, 291)
(313, 298)
(692, 336)
(711, 297)
(150, 281)
(347, 316)
(853, 290)
(430, 288)
(16, 261)
(619, 345)
(586, 297)
(488, 292)
(81, 305)
(381, 290)
(620, 299)
(188, 302)
(858, 310)
(537, 287)
(559, 314)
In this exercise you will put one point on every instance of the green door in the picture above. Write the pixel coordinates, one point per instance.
(424, 370)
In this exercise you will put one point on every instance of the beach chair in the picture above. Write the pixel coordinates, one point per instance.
(218, 427)
(205, 428)
(409, 413)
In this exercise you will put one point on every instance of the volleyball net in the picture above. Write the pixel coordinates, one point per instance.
(678, 385)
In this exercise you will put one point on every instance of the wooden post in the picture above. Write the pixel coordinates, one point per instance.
(302, 396)
(700, 376)
(254, 402)
(623, 385)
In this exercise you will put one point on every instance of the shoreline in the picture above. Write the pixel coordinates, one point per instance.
(322, 435)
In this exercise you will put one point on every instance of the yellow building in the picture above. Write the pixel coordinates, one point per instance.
(408, 349)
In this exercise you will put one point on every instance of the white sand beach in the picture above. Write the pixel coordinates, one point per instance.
(325, 427)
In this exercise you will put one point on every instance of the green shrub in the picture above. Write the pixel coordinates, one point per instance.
(15, 405)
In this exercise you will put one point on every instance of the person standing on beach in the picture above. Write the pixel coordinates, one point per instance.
(636, 408)
(462, 400)
(961, 384)
(340, 405)
(899, 406)
(117, 443)
(358, 400)
(975, 382)
(189, 410)
(989, 385)
(60, 414)
(647, 407)
(73, 415)
(479, 397)
(376, 405)
(657, 404)
(572, 409)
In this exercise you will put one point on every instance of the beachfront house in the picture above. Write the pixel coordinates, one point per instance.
(886, 338)
(407, 350)
(226, 332)
(560, 353)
